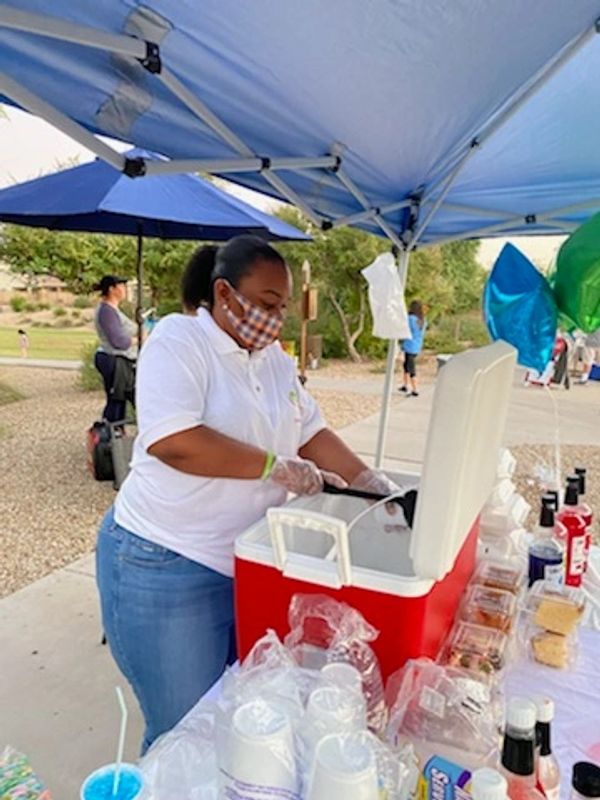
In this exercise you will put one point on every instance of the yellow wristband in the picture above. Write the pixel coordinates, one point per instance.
(268, 468)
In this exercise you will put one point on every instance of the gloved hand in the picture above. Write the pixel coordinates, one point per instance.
(372, 480)
(300, 476)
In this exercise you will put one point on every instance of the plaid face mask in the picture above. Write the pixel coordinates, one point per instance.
(257, 328)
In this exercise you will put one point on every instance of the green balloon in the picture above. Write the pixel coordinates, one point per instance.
(576, 282)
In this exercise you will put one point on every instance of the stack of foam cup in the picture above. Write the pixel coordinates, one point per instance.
(504, 514)
(259, 755)
(344, 768)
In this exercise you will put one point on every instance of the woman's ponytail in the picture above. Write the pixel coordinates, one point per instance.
(196, 281)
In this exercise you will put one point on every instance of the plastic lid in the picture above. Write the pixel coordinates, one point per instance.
(553, 493)
(586, 779)
(581, 472)
(465, 433)
(521, 714)
(488, 784)
(545, 709)
(547, 512)
(572, 493)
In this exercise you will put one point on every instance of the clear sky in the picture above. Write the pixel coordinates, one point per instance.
(30, 147)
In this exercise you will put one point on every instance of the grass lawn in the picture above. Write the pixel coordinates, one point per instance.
(52, 343)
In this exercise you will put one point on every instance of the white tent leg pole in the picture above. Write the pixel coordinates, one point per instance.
(388, 387)
(384, 415)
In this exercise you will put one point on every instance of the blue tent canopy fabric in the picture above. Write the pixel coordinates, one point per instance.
(96, 197)
(445, 119)
(424, 120)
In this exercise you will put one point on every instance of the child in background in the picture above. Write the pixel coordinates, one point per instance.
(23, 342)
(413, 346)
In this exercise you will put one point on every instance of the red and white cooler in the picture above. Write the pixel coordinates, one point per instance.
(407, 584)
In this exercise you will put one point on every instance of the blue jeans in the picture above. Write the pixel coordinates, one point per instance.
(168, 620)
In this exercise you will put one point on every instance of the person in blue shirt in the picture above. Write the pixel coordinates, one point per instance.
(413, 346)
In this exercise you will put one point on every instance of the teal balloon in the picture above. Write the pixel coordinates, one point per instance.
(519, 307)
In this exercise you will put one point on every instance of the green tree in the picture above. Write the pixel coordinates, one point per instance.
(337, 257)
(448, 278)
(464, 273)
(80, 259)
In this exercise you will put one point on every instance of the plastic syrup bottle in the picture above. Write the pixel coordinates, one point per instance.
(546, 551)
(518, 750)
(488, 784)
(586, 781)
(571, 518)
(547, 769)
(586, 511)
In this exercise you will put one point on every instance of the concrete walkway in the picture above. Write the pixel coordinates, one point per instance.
(57, 700)
(40, 363)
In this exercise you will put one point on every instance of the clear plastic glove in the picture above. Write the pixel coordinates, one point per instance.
(372, 480)
(301, 476)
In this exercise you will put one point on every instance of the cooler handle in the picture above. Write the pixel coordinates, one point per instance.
(302, 566)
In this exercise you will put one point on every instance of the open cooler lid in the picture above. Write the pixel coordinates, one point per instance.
(467, 422)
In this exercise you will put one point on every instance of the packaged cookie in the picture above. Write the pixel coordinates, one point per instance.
(552, 649)
(499, 575)
(556, 609)
(475, 649)
(491, 608)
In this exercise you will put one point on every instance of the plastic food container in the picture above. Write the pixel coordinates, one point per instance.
(551, 649)
(491, 608)
(498, 575)
(556, 609)
(475, 649)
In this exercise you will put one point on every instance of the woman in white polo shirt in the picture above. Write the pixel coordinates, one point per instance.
(225, 431)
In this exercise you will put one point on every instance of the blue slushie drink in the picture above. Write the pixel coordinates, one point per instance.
(99, 785)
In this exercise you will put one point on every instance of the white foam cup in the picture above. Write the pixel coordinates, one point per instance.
(259, 750)
(344, 768)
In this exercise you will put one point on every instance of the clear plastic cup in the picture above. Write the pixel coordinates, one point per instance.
(330, 709)
(342, 675)
(99, 785)
(259, 751)
(344, 769)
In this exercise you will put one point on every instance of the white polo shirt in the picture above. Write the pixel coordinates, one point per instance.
(192, 373)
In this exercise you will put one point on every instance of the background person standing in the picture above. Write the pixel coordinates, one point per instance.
(116, 333)
(413, 346)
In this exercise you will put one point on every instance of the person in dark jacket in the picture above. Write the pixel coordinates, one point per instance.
(116, 341)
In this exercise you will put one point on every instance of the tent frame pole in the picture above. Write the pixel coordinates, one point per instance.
(35, 105)
(139, 270)
(358, 195)
(363, 216)
(202, 111)
(225, 165)
(384, 414)
(56, 28)
(538, 81)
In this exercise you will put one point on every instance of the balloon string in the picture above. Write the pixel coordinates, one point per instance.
(557, 458)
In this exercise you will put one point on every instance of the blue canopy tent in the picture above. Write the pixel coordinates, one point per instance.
(426, 121)
(98, 198)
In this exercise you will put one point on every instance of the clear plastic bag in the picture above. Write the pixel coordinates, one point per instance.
(386, 298)
(184, 761)
(442, 705)
(323, 631)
